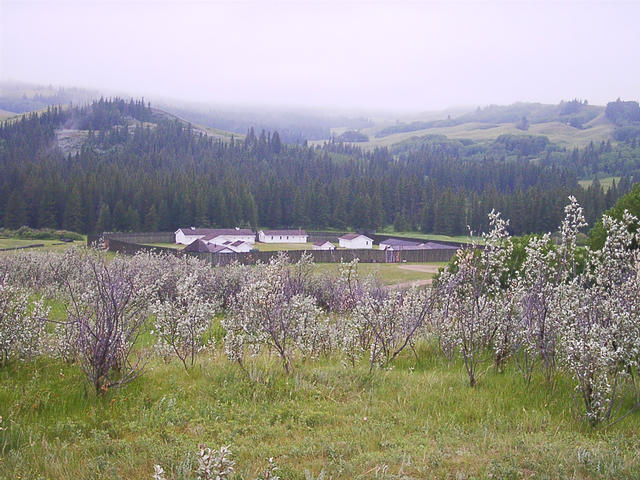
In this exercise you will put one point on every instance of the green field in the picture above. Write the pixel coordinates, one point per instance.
(606, 182)
(389, 273)
(176, 246)
(419, 420)
(48, 244)
(431, 236)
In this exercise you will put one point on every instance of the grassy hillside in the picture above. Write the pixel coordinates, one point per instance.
(4, 114)
(557, 132)
(419, 420)
(606, 182)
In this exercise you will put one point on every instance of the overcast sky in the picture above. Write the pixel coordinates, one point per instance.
(414, 55)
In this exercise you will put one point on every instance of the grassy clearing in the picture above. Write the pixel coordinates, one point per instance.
(606, 182)
(430, 236)
(176, 246)
(559, 133)
(419, 420)
(48, 244)
(388, 273)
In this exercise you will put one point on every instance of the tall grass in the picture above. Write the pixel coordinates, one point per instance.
(417, 420)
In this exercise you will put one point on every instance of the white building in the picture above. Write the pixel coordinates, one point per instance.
(282, 236)
(215, 236)
(355, 240)
(186, 236)
(323, 246)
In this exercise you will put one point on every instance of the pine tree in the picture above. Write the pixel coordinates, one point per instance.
(73, 212)
(47, 210)
(15, 212)
(104, 219)
(151, 220)
(119, 217)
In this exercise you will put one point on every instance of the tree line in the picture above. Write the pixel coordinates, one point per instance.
(138, 171)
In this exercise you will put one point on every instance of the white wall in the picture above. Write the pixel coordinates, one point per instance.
(186, 239)
(358, 242)
(325, 246)
(262, 237)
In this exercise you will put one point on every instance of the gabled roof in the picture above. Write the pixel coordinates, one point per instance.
(353, 236)
(197, 246)
(285, 232)
(320, 244)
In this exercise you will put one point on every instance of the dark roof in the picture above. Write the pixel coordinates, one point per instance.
(284, 232)
(399, 242)
(215, 232)
(435, 246)
(237, 243)
(197, 246)
(418, 246)
(319, 244)
(351, 236)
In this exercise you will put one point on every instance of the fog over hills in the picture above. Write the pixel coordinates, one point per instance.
(410, 56)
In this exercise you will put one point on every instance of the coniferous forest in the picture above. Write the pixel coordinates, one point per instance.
(134, 169)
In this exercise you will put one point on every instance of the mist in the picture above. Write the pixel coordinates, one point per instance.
(405, 56)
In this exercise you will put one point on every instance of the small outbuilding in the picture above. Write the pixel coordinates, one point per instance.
(355, 240)
(323, 246)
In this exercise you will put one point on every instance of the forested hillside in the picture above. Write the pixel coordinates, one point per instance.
(136, 170)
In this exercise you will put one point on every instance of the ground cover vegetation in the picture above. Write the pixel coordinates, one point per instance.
(137, 170)
(335, 374)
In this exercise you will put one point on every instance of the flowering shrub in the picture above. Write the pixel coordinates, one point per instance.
(105, 314)
(471, 297)
(218, 465)
(21, 324)
(600, 329)
(182, 320)
(271, 312)
(391, 323)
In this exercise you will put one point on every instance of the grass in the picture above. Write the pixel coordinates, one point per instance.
(606, 182)
(564, 135)
(48, 244)
(177, 246)
(434, 237)
(418, 420)
(388, 273)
